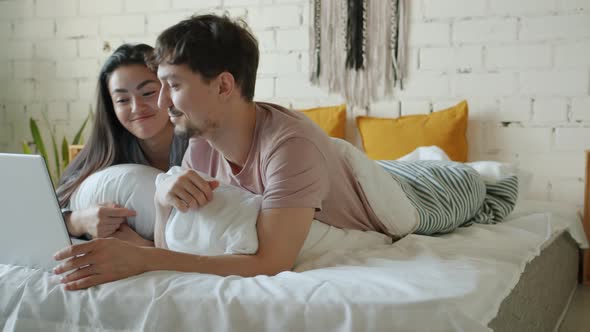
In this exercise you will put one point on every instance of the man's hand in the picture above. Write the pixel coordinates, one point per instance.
(99, 261)
(126, 233)
(185, 191)
(102, 220)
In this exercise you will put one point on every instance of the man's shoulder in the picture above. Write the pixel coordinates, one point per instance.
(283, 125)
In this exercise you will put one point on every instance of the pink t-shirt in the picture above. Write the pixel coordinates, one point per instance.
(292, 164)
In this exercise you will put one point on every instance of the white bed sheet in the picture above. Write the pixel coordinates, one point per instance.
(452, 282)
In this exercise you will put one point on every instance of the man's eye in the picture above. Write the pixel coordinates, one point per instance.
(149, 93)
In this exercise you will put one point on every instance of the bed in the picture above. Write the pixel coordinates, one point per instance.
(515, 276)
(518, 275)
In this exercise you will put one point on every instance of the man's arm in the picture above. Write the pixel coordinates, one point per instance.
(281, 234)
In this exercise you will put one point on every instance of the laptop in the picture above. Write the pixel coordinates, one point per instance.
(32, 227)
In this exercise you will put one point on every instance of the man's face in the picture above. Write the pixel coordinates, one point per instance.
(191, 102)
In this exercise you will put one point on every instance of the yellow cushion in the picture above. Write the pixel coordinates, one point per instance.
(385, 139)
(331, 119)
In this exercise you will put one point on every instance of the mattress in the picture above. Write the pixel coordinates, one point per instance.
(540, 299)
(467, 280)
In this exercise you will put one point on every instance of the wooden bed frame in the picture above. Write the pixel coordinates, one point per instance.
(586, 255)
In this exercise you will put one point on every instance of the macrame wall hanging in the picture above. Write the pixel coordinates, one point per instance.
(357, 48)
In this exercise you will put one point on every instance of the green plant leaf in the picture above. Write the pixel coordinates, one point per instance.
(26, 148)
(64, 153)
(78, 138)
(37, 139)
(56, 158)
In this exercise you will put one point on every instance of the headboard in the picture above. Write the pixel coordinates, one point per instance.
(586, 222)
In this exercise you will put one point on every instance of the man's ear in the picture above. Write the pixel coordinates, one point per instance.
(227, 85)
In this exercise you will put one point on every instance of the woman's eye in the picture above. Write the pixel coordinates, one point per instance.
(150, 93)
(122, 101)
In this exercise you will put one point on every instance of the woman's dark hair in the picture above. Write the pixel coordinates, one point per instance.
(109, 141)
(210, 45)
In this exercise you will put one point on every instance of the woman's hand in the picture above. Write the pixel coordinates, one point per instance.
(185, 191)
(99, 261)
(126, 233)
(102, 220)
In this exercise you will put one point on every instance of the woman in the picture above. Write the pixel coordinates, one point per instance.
(128, 128)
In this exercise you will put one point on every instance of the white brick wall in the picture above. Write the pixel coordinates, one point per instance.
(127, 25)
(34, 29)
(430, 33)
(551, 110)
(79, 68)
(581, 109)
(451, 58)
(287, 16)
(555, 82)
(511, 7)
(5, 71)
(574, 5)
(5, 29)
(526, 56)
(56, 8)
(56, 49)
(516, 109)
(100, 8)
(485, 31)
(16, 9)
(571, 139)
(572, 54)
(410, 107)
(555, 27)
(77, 27)
(453, 8)
(522, 65)
(191, 4)
(516, 139)
(16, 50)
(34, 69)
(500, 84)
(566, 190)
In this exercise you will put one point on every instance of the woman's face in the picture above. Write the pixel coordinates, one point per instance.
(134, 90)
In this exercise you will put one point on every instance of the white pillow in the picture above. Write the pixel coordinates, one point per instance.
(426, 153)
(225, 225)
(493, 171)
(129, 185)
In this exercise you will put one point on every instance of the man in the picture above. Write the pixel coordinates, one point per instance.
(207, 65)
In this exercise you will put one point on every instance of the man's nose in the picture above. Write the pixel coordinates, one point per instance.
(164, 99)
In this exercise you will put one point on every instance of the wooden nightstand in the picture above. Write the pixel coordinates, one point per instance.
(586, 222)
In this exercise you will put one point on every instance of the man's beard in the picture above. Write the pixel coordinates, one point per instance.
(187, 132)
